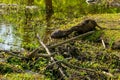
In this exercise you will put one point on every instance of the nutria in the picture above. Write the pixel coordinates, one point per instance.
(61, 33)
(85, 26)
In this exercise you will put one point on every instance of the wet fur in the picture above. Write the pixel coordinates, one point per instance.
(60, 33)
(85, 26)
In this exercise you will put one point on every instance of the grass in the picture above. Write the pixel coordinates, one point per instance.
(104, 20)
(22, 76)
(92, 55)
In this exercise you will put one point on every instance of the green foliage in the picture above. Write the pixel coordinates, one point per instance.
(29, 46)
(24, 76)
(59, 57)
(75, 7)
(5, 69)
(1, 40)
(14, 60)
(94, 36)
(66, 13)
(112, 40)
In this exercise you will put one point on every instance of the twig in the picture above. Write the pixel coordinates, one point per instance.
(103, 43)
(16, 52)
(76, 67)
(52, 64)
(107, 73)
(47, 50)
(69, 65)
(111, 29)
(52, 59)
(86, 69)
(66, 41)
(44, 55)
(13, 53)
(34, 52)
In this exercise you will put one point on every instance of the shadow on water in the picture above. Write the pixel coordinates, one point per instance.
(8, 40)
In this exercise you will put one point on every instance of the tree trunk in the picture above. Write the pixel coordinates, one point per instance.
(30, 2)
(48, 4)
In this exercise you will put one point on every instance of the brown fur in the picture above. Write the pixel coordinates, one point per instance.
(85, 26)
(60, 33)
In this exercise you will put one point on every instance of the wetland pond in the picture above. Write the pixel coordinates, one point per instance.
(8, 40)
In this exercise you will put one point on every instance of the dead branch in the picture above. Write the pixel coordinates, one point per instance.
(103, 43)
(44, 46)
(17, 54)
(52, 59)
(107, 73)
(76, 67)
(40, 55)
(52, 64)
(44, 55)
(74, 38)
(69, 65)
(13, 53)
(97, 72)
(7, 51)
(86, 69)
(34, 52)
(111, 29)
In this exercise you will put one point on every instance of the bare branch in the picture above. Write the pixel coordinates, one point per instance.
(13, 53)
(52, 59)
(52, 64)
(103, 43)
(74, 38)
(76, 67)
